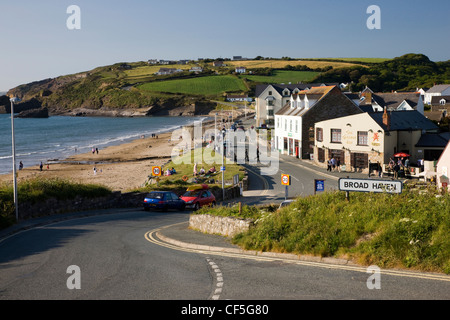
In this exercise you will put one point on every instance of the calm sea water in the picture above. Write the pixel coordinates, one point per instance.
(59, 137)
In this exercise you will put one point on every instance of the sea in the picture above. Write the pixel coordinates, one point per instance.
(58, 137)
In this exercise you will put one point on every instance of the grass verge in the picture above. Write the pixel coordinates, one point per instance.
(38, 190)
(410, 230)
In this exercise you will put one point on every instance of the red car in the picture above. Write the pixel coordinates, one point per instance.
(198, 196)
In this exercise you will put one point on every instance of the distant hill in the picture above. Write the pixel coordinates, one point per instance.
(125, 86)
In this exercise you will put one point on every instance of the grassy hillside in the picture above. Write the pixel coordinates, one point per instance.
(283, 76)
(207, 86)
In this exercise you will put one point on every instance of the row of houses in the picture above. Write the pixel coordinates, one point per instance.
(319, 121)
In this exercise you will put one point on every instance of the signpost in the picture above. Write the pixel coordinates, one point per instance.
(369, 185)
(156, 171)
(286, 181)
(319, 185)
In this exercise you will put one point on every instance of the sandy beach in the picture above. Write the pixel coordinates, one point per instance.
(121, 167)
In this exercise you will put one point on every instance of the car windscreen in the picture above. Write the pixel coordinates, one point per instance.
(155, 195)
(193, 193)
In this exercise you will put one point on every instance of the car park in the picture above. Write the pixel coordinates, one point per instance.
(198, 196)
(163, 200)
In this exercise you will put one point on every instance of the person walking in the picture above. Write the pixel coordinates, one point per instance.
(329, 165)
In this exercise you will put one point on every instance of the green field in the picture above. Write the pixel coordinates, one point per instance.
(208, 86)
(284, 76)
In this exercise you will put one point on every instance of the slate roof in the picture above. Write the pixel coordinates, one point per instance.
(436, 100)
(438, 88)
(438, 140)
(315, 93)
(404, 120)
(280, 87)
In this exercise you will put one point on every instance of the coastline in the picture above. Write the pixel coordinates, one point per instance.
(121, 167)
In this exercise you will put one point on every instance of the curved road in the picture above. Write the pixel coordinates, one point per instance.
(117, 259)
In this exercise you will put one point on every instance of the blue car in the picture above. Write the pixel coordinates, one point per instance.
(163, 200)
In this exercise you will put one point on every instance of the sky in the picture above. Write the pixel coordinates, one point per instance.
(37, 43)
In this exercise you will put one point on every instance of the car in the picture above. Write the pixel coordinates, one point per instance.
(198, 196)
(163, 200)
(285, 203)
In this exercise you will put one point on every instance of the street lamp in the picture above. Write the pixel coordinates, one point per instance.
(16, 202)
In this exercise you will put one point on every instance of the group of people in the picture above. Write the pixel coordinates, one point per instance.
(334, 164)
(170, 172)
(202, 170)
(396, 166)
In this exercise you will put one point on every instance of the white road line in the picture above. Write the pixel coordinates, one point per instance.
(219, 279)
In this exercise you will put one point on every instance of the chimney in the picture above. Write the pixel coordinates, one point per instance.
(386, 119)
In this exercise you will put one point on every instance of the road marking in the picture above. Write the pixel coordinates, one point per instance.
(259, 256)
(218, 279)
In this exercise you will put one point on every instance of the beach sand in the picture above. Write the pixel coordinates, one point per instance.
(122, 167)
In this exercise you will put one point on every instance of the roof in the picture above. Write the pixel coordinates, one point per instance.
(404, 120)
(439, 140)
(315, 93)
(437, 99)
(438, 88)
(280, 87)
(393, 100)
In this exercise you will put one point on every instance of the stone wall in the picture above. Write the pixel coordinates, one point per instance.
(225, 226)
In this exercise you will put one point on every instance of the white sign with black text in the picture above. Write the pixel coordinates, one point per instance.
(369, 185)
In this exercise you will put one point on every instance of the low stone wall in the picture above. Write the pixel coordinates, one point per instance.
(225, 226)
(53, 206)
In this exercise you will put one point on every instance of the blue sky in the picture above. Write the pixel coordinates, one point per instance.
(37, 43)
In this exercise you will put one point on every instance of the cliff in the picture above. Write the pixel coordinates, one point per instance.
(104, 91)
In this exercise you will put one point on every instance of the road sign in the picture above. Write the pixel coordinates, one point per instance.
(285, 180)
(156, 171)
(319, 185)
(369, 185)
(222, 168)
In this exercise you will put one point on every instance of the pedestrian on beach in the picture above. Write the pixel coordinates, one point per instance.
(195, 169)
(41, 166)
(20, 165)
(96, 150)
(93, 150)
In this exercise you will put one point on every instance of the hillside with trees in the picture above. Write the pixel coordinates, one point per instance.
(404, 73)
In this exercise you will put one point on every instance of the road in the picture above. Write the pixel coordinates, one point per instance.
(116, 260)
(120, 257)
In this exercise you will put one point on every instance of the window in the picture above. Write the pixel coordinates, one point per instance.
(319, 134)
(363, 138)
(290, 126)
(278, 122)
(336, 135)
(270, 112)
(442, 101)
(296, 126)
(285, 124)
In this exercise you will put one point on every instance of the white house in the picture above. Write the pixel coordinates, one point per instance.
(443, 169)
(240, 70)
(270, 98)
(437, 90)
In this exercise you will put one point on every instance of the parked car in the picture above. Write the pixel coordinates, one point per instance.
(198, 196)
(163, 200)
(285, 203)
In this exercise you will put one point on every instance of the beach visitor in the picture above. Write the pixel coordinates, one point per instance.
(96, 150)
(195, 169)
(95, 171)
(20, 165)
(168, 172)
(202, 170)
(41, 166)
(212, 170)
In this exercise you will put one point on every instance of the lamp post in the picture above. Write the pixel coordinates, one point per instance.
(16, 203)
